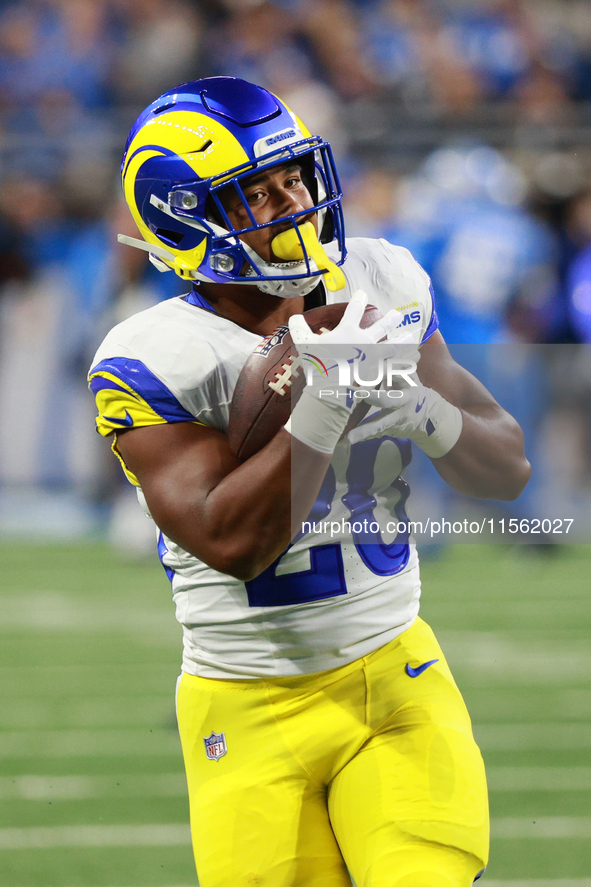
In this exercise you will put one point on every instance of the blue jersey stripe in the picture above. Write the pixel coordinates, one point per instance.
(148, 386)
(434, 321)
(162, 552)
(195, 298)
(99, 383)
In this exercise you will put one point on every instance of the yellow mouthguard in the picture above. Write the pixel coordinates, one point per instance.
(287, 246)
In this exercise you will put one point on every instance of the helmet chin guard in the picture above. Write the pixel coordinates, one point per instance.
(203, 138)
(289, 287)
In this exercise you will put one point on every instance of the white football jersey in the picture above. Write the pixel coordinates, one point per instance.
(334, 596)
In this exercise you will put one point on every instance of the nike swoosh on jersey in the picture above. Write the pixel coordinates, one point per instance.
(127, 422)
(415, 672)
(418, 408)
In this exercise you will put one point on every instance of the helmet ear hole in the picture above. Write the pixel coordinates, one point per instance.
(172, 238)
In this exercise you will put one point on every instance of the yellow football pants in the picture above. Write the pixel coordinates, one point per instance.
(362, 769)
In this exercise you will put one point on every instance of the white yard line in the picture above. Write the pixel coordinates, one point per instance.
(490, 657)
(160, 785)
(72, 788)
(63, 743)
(94, 836)
(144, 741)
(63, 611)
(70, 743)
(172, 835)
(549, 779)
(547, 882)
(513, 827)
(512, 737)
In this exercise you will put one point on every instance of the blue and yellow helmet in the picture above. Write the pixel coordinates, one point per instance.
(208, 135)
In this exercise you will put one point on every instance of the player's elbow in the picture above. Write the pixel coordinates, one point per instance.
(245, 572)
(244, 569)
(242, 562)
(510, 469)
(515, 480)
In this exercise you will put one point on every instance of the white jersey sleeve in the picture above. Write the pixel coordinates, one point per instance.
(392, 278)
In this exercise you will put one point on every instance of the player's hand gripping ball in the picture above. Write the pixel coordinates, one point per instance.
(272, 381)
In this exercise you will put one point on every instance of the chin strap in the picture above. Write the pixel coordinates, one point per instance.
(160, 257)
(289, 246)
(159, 251)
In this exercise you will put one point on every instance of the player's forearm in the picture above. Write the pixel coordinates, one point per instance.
(237, 518)
(244, 520)
(488, 461)
(253, 514)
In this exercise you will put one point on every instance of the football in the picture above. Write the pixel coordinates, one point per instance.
(270, 385)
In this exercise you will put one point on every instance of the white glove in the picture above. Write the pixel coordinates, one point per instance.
(347, 331)
(419, 413)
(323, 410)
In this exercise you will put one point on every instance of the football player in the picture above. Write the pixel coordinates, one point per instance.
(323, 735)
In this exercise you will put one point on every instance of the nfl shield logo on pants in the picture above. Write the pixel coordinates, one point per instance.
(215, 746)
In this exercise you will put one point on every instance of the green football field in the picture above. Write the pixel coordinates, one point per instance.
(92, 791)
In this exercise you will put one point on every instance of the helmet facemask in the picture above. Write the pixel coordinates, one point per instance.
(231, 259)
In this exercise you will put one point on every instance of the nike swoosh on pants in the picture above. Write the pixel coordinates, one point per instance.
(415, 672)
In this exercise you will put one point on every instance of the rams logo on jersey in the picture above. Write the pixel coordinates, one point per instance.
(413, 317)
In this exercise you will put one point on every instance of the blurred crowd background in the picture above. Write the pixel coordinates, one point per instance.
(462, 130)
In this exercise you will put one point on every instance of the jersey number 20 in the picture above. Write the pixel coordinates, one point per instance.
(326, 576)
